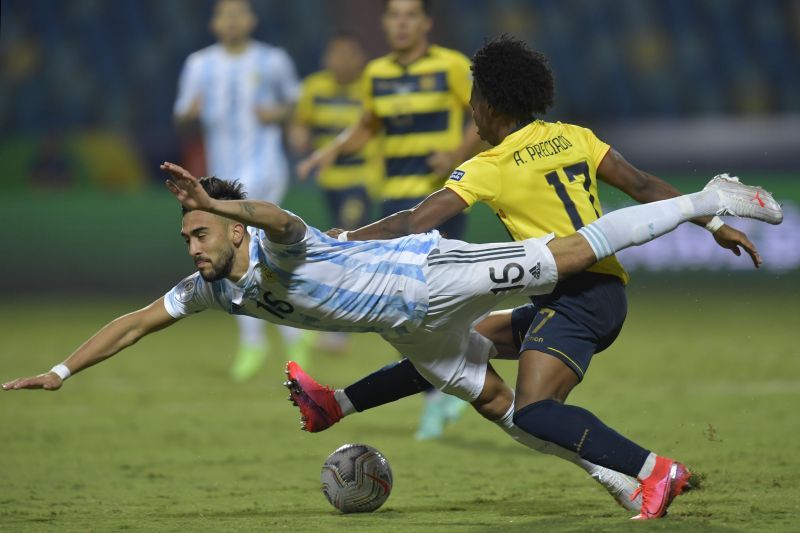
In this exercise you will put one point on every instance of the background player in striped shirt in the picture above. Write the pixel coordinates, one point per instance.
(416, 98)
(330, 102)
(242, 91)
(422, 293)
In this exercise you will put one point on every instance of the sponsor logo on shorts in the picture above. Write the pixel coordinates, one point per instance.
(536, 271)
(457, 175)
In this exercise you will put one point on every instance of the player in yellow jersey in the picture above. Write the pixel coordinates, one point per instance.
(541, 178)
(330, 102)
(416, 99)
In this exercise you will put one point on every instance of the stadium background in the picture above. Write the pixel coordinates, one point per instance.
(684, 89)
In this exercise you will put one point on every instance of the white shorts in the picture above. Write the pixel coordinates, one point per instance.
(465, 282)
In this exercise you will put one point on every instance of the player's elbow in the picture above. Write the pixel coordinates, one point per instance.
(289, 229)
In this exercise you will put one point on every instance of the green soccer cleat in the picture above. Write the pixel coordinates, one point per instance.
(249, 360)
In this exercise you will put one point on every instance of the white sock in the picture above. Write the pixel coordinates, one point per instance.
(647, 467)
(251, 331)
(639, 224)
(344, 402)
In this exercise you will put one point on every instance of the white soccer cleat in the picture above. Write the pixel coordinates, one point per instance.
(746, 201)
(624, 489)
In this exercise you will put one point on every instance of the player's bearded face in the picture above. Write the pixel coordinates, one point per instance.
(216, 268)
(210, 243)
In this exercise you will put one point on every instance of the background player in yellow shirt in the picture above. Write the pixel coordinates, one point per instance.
(541, 178)
(416, 99)
(330, 102)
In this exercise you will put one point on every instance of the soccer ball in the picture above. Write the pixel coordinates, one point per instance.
(356, 478)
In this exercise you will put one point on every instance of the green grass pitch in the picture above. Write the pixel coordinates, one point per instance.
(158, 439)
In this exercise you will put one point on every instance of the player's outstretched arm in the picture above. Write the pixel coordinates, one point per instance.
(432, 212)
(644, 188)
(114, 337)
(281, 226)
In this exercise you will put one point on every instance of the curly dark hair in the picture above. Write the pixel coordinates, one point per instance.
(220, 189)
(513, 79)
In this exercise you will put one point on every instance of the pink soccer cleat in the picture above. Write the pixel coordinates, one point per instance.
(319, 409)
(667, 481)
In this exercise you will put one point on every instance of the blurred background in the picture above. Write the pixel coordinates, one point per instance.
(683, 88)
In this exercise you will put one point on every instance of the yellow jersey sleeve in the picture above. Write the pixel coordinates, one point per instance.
(461, 78)
(367, 98)
(304, 111)
(597, 148)
(476, 180)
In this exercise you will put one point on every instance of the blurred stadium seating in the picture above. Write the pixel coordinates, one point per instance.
(87, 86)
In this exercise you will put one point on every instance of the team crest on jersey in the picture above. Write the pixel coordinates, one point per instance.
(427, 83)
(185, 291)
(457, 175)
(266, 273)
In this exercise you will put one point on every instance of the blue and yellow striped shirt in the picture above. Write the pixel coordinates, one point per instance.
(421, 107)
(328, 108)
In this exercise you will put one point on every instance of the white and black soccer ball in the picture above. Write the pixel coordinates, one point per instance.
(356, 478)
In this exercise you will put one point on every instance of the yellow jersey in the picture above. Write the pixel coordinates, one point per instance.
(421, 107)
(328, 108)
(540, 179)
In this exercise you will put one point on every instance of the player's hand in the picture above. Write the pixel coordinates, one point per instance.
(334, 232)
(193, 111)
(48, 381)
(185, 187)
(271, 115)
(442, 163)
(319, 160)
(732, 239)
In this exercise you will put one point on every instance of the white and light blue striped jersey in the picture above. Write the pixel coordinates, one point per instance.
(321, 283)
(230, 88)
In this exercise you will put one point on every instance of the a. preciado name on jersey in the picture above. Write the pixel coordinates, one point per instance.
(543, 149)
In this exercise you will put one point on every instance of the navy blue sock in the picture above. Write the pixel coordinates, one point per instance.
(576, 429)
(390, 383)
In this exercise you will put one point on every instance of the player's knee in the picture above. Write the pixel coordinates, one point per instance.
(495, 405)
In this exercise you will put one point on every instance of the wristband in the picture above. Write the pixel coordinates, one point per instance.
(61, 371)
(714, 224)
(343, 236)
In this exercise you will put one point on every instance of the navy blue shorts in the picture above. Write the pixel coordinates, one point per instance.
(350, 208)
(451, 229)
(582, 317)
